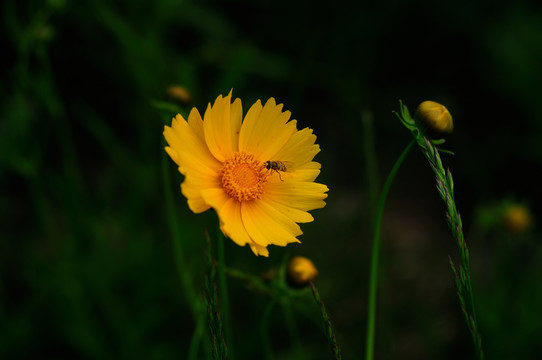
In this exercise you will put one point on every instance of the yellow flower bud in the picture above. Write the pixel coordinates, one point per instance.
(179, 93)
(433, 118)
(516, 218)
(301, 270)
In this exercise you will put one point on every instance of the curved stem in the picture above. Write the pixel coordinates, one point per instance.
(371, 314)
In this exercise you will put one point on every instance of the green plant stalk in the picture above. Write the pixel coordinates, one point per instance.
(223, 286)
(264, 328)
(293, 331)
(373, 279)
(327, 322)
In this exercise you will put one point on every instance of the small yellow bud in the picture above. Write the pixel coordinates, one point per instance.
(516, 218)
(301, 270)
(433, 118)
(179, 93)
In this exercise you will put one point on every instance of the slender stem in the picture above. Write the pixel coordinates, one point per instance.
(371, 314)
(264, 329)
(196, 338)
(293, 331)
(223, 286)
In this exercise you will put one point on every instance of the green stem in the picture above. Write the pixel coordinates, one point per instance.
(264, 329)
(196, 338)
(223, 286)
(293, 331)
(371, 315)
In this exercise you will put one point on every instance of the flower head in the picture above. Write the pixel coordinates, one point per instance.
(229, 165)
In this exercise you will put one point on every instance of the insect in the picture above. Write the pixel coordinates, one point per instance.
(276, 166)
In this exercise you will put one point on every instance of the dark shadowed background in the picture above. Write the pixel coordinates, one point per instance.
(87, 264)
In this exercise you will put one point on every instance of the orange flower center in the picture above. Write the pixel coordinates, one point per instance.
(243, 177)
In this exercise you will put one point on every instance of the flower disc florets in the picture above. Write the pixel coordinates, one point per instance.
(243, 177)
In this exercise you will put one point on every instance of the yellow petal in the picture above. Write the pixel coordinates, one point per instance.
(221, 130)
(299, 195)
(264, 130)
(259, 250)
(189, 151)
(196, 123)
(307, 172)
(281, 220)
(299, 216)
(192, 187)
(248, 126)
(236, 117)
(215, 197)
(232, 224)
(263, 229)
(300, 148)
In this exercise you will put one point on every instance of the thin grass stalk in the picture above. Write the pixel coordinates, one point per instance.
(373, 280)
(445, 188)
(335, 349)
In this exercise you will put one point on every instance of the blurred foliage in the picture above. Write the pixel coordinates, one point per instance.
(87, 264)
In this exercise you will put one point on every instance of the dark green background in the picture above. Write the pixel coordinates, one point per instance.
(87, 268)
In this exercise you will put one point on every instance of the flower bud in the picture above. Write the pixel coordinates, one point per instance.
(516, 218)
(433, 119)
(179, 93)
(301, 270)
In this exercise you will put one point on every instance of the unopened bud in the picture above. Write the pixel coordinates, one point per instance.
(301, 270)
(179, 93)
(433, 119)
(516, 218)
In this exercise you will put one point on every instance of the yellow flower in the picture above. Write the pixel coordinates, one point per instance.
(301, 270)
(230, 164)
